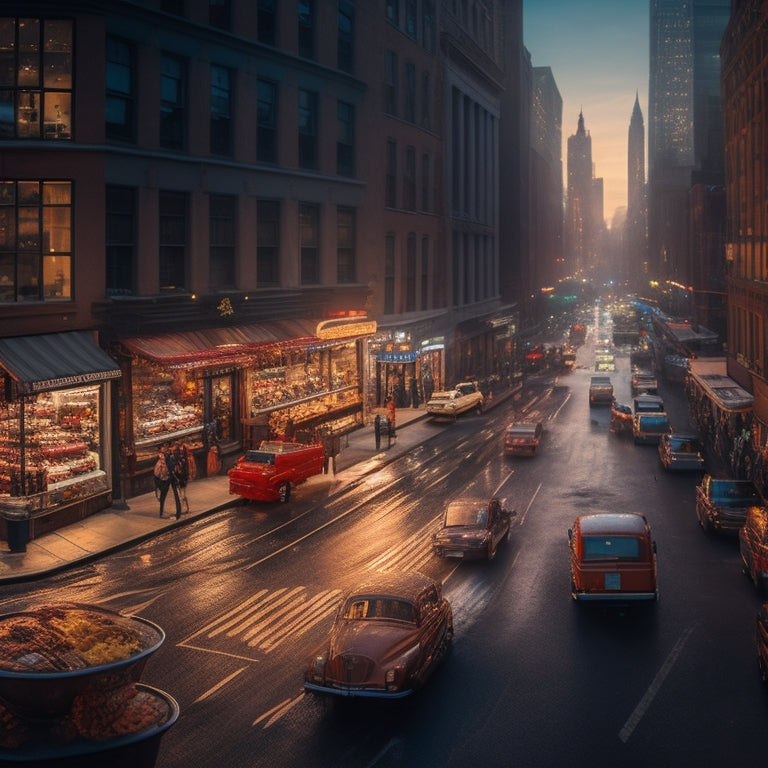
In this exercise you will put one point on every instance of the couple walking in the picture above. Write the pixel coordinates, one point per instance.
(172, 472)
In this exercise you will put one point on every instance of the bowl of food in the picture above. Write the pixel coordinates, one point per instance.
(51, 654)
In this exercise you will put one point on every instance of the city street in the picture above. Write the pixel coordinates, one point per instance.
(533, 679)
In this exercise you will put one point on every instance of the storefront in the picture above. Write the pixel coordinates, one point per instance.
(235, 386)
(55, 430)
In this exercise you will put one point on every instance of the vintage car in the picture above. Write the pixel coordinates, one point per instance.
(613, 558)
(722, 503)
(522, 438)
(753, 547)
(600, 390)
(387, 638)
(681, 451)
(268, 473)
(450, 403)
(644, 381)
(621, 418)
(649, 427)
(472, 528)
(761, 637)
(647, 403)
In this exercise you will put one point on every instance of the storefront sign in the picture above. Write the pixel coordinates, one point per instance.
(397, 357)
(333, 329)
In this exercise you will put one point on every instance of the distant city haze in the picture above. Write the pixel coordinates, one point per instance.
(598, 53)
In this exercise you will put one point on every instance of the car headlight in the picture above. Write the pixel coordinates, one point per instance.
(317, 669)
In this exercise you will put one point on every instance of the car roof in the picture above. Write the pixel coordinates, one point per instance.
(612, 522)
(405, 584)
(524, 426)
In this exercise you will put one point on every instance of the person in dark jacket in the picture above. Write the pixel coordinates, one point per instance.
(165, 478)
(181, 460)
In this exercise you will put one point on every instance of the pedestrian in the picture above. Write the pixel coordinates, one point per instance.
(377, 431)
(181, 461)
(390, 404)
(414, 393)
(165, 478)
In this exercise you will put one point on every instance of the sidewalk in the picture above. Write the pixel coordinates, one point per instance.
(117, 527)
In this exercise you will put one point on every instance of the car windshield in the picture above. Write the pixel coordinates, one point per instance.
(374, 607)
(652, 423)
(730, 490)
(260, 457)
(684, 444)
(611, 548)
(466, 514)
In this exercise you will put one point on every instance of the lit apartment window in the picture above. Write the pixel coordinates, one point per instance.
(346, 35)
(268, 243)
(307, 129)
(410, 92)
(222, 228)
(345, 245)
(307, 28)
(266, 127)
(410, 18)
(410, 273)
(172, 208)
(35, 78)
(309, 239)
(172, 101)
(390, 183)
(409, 180)
(389, 274)
(35, 241)
(219, 13)
(345, 144)
(266, 22)
(221, 110)
(120, 241)
(120, 96)
(390, 83)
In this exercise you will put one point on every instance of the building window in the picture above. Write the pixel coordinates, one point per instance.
(35, 241)
(345, 245)
(389, 274)
(222, 228)
(266, 27)
(390, 84)
(309, 239)
(219, 13)
(410, 18)
(345, 144)
(120, 96)
(268, 243)
(428, 25)
(390, 183)
(307, 129)
(35, 78)
(424, 273)
(172, 97)
(346, 36)
(266, 128)
(120, 241)
(410, 92)
(425, 182)
(409, 180)
(307, 29)
(410, 273)
(221, 110)
(426, 101)
(172, 208)
(393, 11)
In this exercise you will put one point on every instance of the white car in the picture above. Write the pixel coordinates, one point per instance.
(449, 404)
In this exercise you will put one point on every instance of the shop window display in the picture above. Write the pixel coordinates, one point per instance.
(52, 450)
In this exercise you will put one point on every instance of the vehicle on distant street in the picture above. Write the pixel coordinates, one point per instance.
(647, 403)
(621, 418)
(268, 473)
(613, 558)
(649, 427)
(388, 636)
(472, 528)
(722, 503)
(451, 403)
(681, 451)
(753, 547)
(523, 438)
(644, 382)
(600, 390)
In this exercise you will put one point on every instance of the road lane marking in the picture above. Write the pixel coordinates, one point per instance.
(654, 687)
(530, 503)
(277, 712)
(218, 685)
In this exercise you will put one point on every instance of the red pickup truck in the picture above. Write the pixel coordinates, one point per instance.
(268, 473)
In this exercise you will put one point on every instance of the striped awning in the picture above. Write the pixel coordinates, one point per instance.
(55, 361)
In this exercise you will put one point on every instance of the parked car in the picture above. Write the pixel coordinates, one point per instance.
(523, 438)
(722, 503)
(621, 418)
(644, 381)
(472, 528)
(600, 390)
(268, 473)
(649, 427)
(761, 637)
(613, 558)
(753, 546)
(647, 403)
(387, 638)
(681, 451)
(451, 403)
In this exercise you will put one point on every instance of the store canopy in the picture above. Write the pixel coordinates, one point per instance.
(55, 361)
(710, 375)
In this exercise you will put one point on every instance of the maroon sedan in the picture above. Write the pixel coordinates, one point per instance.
(387, 638)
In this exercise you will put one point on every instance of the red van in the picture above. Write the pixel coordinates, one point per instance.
(613, 558)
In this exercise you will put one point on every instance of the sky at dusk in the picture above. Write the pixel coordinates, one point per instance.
(598, 53)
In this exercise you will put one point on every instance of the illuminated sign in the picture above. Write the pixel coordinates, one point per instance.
(333, 329)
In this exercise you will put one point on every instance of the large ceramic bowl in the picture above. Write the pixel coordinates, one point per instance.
(31, 689)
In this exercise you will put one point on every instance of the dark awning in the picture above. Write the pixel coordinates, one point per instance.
(55, 361)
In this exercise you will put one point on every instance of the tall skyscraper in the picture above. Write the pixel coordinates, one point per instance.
(578, 221)
(636, 229)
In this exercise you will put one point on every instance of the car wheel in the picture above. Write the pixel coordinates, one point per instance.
(479, 410)
(285, 492)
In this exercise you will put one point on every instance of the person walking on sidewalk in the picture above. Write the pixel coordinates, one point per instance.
(165, 478)
(390, 405)
(181, 469)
